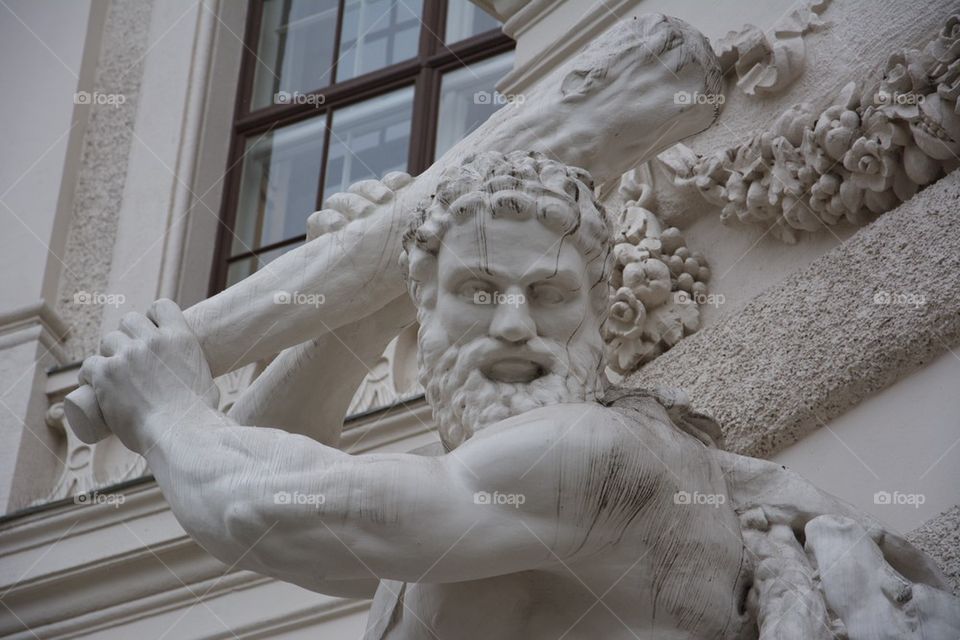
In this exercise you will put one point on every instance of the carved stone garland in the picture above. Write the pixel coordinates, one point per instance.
(862, 156)
(657, 286)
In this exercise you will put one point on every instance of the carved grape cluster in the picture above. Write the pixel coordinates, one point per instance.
(656, 285)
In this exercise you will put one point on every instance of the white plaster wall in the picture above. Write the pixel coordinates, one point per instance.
(38, 121)
(905, 439)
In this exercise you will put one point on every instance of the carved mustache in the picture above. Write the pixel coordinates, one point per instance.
(484, 353)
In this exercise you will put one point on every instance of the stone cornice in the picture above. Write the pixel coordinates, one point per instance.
(595, 21)
(58, 555)
(34, 321)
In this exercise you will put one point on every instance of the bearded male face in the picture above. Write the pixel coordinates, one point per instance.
(510, 317)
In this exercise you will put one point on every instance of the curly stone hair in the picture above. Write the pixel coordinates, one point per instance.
(507, 185)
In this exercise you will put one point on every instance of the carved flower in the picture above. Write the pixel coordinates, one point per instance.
(815, 155)
(761, 207)
(825, 198)
(946, 47)
(627, 315)
(904, 84)
(871, 166)
(792, 123)
(709, 176)
(878, 125)
(908, 71)
(736, 192)
(649, 281)
(835, 131)
(948, 85)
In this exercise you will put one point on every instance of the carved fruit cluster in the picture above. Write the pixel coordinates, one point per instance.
(657, 284)
(869, 151)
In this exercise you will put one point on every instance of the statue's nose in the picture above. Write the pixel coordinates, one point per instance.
(512, 321)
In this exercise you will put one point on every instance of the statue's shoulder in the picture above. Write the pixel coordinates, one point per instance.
(664, 404)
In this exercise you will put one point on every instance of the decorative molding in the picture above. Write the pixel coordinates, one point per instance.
(392, 379)
(869, 151)
(657, 284)
(168, 574)
(37, 321)
(768, 64)
(502, 10)
(89, 467)
(595, 21)
(527, 14)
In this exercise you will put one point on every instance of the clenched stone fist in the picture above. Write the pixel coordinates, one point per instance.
(361, 200)
(150, 375)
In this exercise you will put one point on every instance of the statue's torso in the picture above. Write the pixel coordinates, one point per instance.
(676, 571)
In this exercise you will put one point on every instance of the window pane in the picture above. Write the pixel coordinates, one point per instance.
(295, 50)
(240, 269)
(369, 139)
(376, 34)
(278, 187)
(467, 98)
(465, 19)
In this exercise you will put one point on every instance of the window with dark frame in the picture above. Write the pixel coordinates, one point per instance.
(335, 91)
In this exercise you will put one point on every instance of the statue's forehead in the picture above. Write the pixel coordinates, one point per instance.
(508, 247)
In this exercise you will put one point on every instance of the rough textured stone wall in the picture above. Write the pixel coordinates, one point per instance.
(940, 538)
(101, 178)
(860, 317)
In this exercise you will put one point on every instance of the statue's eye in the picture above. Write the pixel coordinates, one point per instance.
(477, 291)
(548, 294)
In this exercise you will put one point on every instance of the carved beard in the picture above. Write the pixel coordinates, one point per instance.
(464, 400)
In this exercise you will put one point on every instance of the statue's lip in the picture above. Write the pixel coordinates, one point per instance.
(513, 366)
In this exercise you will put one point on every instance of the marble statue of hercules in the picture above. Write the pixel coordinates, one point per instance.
(550, 513)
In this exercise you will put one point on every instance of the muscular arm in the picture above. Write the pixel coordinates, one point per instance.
(288, 393)
(287, 506)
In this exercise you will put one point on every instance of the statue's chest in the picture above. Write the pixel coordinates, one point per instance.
(497, 607)
(531, 605)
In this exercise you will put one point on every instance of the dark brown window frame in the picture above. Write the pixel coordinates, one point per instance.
(424, 73)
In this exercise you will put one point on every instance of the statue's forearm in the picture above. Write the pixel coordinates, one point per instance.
(327, 283)
(272, 502)
(308, 388)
